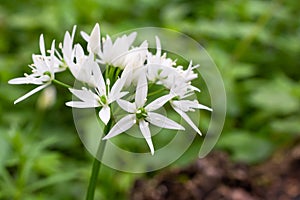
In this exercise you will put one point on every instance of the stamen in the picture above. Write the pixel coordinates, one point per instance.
(141, 113)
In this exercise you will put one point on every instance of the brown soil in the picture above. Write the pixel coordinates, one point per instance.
(217, 178)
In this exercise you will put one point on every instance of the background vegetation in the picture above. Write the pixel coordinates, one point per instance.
(254, 43)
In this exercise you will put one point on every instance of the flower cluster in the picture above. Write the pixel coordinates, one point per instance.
(107, 70)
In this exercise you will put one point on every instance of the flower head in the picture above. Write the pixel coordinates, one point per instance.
(43, 70)
(110, 67)
(100, 95)
(143, 115)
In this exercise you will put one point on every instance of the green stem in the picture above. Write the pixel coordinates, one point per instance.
(97, 164)
(156, 92)
(61, 83)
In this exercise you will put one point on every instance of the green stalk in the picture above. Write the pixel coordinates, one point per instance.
(61, 83)
(97, 164)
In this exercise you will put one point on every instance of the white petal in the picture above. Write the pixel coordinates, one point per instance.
(158, 103)
(94, 40)
(131, 38)
(187, 119)
(158, 46)
(116, 96)
(30, 93)
(42, 45)
(82, 104)
(200, 106)
(104, 114)
(85, 73)
(107, 48)
(67, 48)
(162, 121)
(85, 95)
(73, 32)
(52, 57)
(98, 78)
(79, 52)
(186, 105)
(141, 91)
(20, 80)
(118, 85)
(85, 36)
(126, 105)
(144, 127)
(121, 126)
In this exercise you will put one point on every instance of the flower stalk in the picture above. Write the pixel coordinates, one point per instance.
(61, 83)
(97, 164)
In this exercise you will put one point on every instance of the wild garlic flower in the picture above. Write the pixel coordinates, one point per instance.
(67, 48)
(43, 70)
(100, 96)
(143, 115)
(105, 69)
(134, 62)
(109, 52)
(182, 106)
(158, 59)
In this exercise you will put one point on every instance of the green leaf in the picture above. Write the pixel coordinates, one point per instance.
(246, 147)
(289, 125)
(275, 97)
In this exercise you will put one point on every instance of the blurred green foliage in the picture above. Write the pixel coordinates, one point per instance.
(255, 44)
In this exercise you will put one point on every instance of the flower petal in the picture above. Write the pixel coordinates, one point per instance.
(35, 90)
(141, 91)
(117, 87)
(121, 126)
(187, 119)
(67, 49)
(42, 45)
(21, 80)
(200, 106)
(131, 38)
(81, 104)
(158, 46)
(98, 78)
(126, 105)
(85, 36)
(85, 95)
(94, 40)
(104, 114)
(186, 105)
(85, 72)
(162, 121)
(158, 103)
(144, 127)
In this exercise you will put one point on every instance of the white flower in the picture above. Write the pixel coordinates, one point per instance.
(188, 75)
(178, 80)
(136, 57)
(183, 106)
(159, 67)
(109, 53)
(183, 88)
(115, 53)
(67, 47)
(43, 70)
(159, 59)
(101, 96)
(82, 66)
(94, 43)
(134, 62)
(143, 115)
